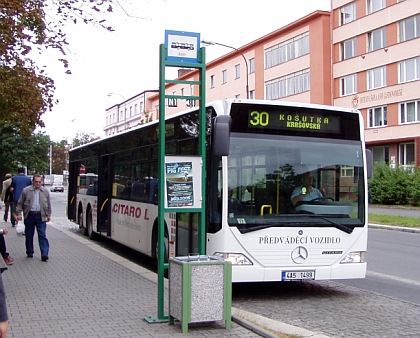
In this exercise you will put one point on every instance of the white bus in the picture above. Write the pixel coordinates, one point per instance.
(252, 218)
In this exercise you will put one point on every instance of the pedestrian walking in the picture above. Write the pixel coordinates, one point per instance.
(7, 196)
(4, 324)
(35, 204)
(3, 251)
(19, 182)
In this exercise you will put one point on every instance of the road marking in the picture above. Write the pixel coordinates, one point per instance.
(398, 279)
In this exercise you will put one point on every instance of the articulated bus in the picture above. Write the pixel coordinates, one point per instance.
(259, 153)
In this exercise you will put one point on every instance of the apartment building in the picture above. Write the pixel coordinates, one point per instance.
(376, 69)
(129, 113)
(364, 54)
(292, 63)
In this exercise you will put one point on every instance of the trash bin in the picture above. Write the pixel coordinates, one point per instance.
(200, 290)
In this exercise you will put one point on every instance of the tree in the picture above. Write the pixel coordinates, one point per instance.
(59, 157)
(83, 138)
(26, 92)
(18, 150)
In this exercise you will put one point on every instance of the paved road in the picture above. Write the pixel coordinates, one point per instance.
(395, 210)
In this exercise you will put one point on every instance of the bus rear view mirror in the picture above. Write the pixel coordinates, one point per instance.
(369, 163)
(221, 135)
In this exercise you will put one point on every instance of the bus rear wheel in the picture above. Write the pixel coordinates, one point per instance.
(81, 223)
(155, 246)
(89, 225)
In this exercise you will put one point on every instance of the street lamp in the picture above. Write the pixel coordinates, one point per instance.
(206, 42)
(125, 109)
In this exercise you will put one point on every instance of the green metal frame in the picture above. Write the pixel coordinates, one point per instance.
(201, 65)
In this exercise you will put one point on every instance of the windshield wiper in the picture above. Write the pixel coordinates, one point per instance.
(339, 226)
(271, 225)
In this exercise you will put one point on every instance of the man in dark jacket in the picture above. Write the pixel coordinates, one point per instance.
(19, 182)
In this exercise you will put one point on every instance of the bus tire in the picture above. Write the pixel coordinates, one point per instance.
(81, 222)
(155, 255)
(89, 225)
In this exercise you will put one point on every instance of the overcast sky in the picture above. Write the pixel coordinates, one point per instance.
(126, 62)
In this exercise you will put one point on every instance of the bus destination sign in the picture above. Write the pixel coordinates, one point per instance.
(289, 120)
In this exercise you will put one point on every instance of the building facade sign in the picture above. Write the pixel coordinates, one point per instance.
(356, 99)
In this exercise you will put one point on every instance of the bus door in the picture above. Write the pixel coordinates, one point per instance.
(72, 191)
(104, 195)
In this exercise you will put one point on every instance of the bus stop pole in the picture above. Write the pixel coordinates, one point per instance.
(161, 185)
(202, 146)
(161, 172)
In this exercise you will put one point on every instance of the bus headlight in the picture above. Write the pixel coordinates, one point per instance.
(354, 257)
(234, 258)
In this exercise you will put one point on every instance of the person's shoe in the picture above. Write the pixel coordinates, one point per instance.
(30, 255)
(8, 260)
(5, 218)
(44, 258)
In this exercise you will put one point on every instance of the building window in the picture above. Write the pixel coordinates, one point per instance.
(410, 112)
(288, 85)
(347, 13)
(237, 71)
(347, 171)
(375, 5)
(406, 154)
(135, 109)
(224, 76)
(348, 85)
(409, 29)
(376, 78)
(380, 154)
(377, 117)
(409, 70)
(252, 94)
(212, 81)
(348, 49)
(141, 107)
(251, 65)
(376, 39)
(287, 50)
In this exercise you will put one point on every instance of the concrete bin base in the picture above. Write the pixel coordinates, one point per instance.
(200, 290)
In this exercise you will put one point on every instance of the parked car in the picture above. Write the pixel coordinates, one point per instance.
(57, 187)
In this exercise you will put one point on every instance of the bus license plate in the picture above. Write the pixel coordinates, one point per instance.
(298, 275)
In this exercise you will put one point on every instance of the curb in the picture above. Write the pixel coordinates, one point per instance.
(394, 228)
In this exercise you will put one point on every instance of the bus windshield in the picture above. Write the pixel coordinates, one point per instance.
(266, 172)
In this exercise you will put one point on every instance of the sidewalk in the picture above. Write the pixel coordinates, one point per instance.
(87, 291)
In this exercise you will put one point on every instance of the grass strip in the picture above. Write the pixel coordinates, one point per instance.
(403, 221)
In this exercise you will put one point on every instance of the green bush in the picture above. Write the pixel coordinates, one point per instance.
(397, 185)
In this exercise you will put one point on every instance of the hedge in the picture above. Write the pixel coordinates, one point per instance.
(394, 185)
